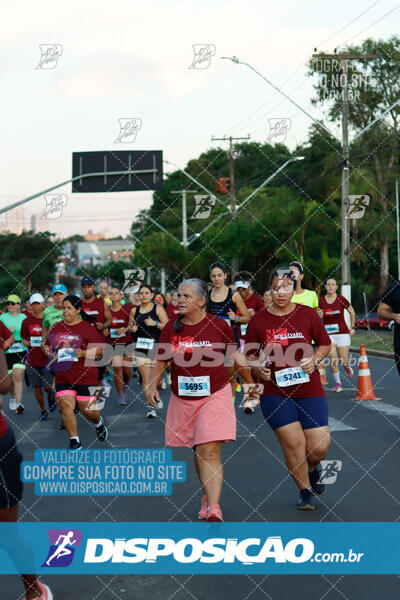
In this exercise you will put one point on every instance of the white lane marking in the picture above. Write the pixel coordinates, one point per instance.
(335, 425)
(382, 407)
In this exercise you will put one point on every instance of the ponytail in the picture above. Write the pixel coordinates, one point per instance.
(178, 326)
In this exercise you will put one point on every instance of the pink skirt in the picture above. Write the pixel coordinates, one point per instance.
(210, 419)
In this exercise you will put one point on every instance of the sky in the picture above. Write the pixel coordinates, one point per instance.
(131, 59)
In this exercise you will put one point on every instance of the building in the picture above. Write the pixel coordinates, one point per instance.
(39, 223)
(14, 220)
(91, 254)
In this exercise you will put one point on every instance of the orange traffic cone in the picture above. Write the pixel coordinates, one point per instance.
(365, 388)
(322, 374)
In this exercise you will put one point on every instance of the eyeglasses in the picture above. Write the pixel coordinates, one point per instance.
(12, 303)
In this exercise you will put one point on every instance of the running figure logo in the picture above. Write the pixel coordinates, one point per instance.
(203, 54)
(128, 129)
(55, 204)
(330, 471)
(50, 55)
(278, 130)
(204, 204)
(63, 543)
(357, 206)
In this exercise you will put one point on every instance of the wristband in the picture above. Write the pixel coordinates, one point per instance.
(237, 319)
(157, 323)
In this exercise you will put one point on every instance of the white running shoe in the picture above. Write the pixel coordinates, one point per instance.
(151, 413)
(159, 405)
(13, 404)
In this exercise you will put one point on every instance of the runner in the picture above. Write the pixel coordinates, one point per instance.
(333, 306)
(96, 308)
(16, 353)
(147, 321)
(303, 296)
(160, 300)
(201, 413)
(49, 302)
(267, 298)
(53, 313)
(104, 292)
(11, 491)
(293, 401)
(389, 310)
(39, 377)
(119, 337)
(227, 304)
(172, 308)
(75, 341)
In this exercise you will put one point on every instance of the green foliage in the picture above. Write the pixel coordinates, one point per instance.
(28, 262)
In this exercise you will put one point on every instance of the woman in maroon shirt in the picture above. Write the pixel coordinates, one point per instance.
(293, 401)
(76, 344)
(201, 412)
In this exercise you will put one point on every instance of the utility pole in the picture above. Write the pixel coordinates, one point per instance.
(184, 213)
(345, 221)
(232, 193)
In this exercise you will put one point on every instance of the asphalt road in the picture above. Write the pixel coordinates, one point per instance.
(365, 438)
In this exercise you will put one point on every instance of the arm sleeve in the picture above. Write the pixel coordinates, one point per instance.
(318, 330)
(315, 300)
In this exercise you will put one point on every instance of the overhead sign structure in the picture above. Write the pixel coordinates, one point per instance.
(133, 170)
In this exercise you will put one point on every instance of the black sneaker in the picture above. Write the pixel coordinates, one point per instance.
(74, 445)
(306, 500)
(315, 475)
(20, 409)
(44, 416)
(102, 432)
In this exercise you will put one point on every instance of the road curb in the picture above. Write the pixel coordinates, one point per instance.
(378, 353)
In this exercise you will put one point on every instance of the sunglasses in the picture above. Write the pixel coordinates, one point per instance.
(12, 303)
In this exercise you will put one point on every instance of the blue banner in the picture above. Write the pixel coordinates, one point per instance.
(199, 548)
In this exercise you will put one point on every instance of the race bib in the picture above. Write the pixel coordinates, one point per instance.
(194, 386)
(16, 347)
(243, 329)
(291, 376)
(334, 328)
(144, 343)
(36, 341)
(66, 354)
(114, 333)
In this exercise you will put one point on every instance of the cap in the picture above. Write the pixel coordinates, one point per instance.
(86, 280)
(242, 284)
(14, 298)
(297, 264)
(36, 298)
(60, 287)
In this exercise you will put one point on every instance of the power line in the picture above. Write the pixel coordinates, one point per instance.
(372, 24)
(351, 22)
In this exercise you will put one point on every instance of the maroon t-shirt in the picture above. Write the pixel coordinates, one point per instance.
(197, 351)
(254, 302)
(3, 424)
(5, 333)
(172, 311)
(32, 330)
(286, 340)
(69, 369)
(120, 318)
(334, 314)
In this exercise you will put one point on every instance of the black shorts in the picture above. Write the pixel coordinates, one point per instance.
(39, 377)
(397, 357)
(83, 393)
(10, 479)
(16, 359)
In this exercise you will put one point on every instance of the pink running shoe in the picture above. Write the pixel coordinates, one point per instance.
(214, 514)
(349, 372)
(337, 388)
(203, 511)
(45, 592)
